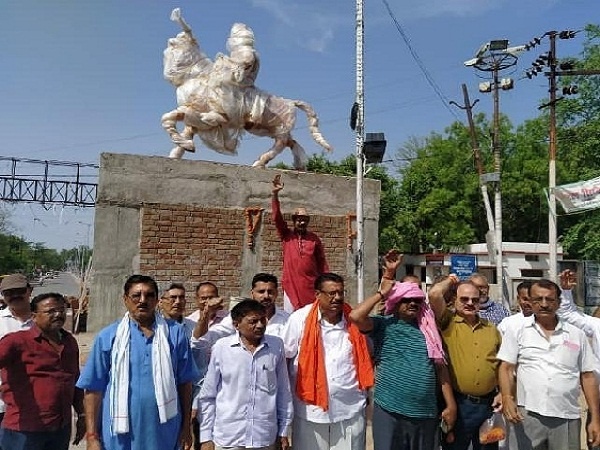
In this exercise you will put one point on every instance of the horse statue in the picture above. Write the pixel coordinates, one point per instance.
(218, 101)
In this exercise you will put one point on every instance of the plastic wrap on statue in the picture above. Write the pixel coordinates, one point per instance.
(218, 101)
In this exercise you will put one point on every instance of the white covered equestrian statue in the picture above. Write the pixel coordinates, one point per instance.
(217, 101)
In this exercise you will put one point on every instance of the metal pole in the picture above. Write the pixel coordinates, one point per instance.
(552, 232)
(360, 101)
(497, 169)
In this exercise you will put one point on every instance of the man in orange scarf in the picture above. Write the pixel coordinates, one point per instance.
(331, 371)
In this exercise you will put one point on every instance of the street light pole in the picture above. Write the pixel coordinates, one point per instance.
(493, 57)
(360, 137)
(552, 225)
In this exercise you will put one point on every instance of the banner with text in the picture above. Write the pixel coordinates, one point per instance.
(580, 196)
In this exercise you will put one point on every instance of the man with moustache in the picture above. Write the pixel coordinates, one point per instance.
(410, 364)
(303, 254)
(516, 320)
(330, 371)
(138, 378)
(209, 310)
(471, 344)
(16, 291)
(246, 399)
(172, 305)
(488, 308)
(552, 359)
(264, 290)
(40, 366)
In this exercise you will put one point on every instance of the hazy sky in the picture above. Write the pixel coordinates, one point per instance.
(83, 77)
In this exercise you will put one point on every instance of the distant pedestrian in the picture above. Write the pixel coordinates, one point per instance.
(16, 291)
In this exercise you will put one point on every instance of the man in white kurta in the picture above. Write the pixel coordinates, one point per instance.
(342, 425)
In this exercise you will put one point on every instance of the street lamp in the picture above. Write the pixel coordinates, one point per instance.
(493, 57)
(358, 125)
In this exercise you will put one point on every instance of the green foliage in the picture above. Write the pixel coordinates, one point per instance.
(18, 255)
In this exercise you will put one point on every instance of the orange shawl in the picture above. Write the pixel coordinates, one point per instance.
(311, 382)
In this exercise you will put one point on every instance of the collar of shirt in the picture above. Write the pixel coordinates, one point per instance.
(38, 335)
(531, 322)
(485, 305)
(8, 313)
(459, 319)
(238, 343)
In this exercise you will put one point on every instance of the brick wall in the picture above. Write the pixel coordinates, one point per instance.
(190, 244)
(184, 221)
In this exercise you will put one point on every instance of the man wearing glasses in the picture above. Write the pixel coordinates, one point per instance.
(137, 390)
(16, 292)
(40, 366)
(330, 371)
(471, 344)
(552, 360)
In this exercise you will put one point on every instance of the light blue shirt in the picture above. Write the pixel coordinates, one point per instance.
(245, 399)
(145, 430)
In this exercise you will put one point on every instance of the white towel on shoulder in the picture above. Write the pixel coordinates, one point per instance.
(162, 375)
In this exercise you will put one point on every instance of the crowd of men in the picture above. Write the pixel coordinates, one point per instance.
(255, 376)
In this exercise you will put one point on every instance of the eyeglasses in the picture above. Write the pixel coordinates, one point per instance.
(54, 312)
(466, 300)
(406, 301)
(542, 300)
(137, 297)
(333, 294)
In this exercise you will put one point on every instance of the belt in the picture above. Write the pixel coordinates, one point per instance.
(477, 399)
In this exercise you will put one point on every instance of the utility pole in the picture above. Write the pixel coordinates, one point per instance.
(554, 70)
(468, 107)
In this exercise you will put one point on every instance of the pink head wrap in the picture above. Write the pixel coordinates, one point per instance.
(425, 319)
(400, 291)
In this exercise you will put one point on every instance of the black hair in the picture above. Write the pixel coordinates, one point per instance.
(263, 277)
(524, 285)
(137, 279)
(245, 307)
(327, 277)
(45, 296)
(207, 283)
(546, 284)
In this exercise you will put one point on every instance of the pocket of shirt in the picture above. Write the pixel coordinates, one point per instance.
(567, 354)
(266, 379)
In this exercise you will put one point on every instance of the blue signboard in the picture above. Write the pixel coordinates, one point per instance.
(463, 266)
